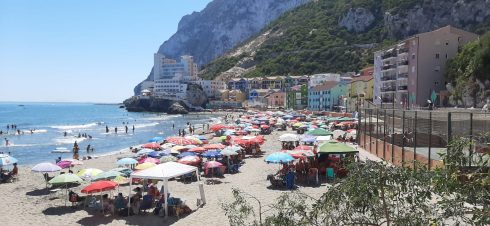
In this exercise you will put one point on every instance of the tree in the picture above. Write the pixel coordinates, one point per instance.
(375, 193)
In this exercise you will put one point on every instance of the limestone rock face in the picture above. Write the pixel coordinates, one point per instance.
(135, 104)
(433, 14)
(196, 96)
(220, 26)
(357, 20)
(177, 108)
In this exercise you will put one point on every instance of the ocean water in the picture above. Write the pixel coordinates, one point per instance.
(49, 121)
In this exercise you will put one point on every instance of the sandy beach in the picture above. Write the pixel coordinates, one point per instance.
(27, 202)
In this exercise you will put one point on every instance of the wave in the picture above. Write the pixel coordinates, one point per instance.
(69, 140)
(35, 131)
(19, 145)
(71, 127)
(139, 126)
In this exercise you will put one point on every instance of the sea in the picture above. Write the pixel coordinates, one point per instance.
(49, 122)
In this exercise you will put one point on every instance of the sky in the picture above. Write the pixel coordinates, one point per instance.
(82, 50)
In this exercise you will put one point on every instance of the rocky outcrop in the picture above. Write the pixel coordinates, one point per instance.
(433, 14)
(196, 96)
(357, 20)
(135, 104)
(220, 26)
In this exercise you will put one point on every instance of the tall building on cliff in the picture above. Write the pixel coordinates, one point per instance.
(171, 77)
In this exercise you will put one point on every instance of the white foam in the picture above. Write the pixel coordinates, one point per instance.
(71, 127)
(36, 131)
(139, 126)
(69, 140)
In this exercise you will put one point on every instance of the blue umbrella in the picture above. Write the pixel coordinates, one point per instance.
(126, 161)
(154, 154)
(229, 132)
(279, 157)
(308, 139)
(200, 137)
(155, 139)
(164, 153)
(287, 117)
(211, 154)
(187, 153)
(145, 151)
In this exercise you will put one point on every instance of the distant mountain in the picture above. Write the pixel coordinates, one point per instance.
(341, 35)
(220, 27)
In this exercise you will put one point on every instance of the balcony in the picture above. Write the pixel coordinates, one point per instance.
(403, 62)
(388, 89)
(388, 77)
(403, 76)
(387, 100)
(404, 87)
(388, 54)
(388, 66)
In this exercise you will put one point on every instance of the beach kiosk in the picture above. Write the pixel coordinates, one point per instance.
(164, 172)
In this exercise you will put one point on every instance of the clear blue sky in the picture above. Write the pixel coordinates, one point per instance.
(82, 50)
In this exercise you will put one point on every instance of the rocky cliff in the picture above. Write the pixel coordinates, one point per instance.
(341, 35)
(220, 27)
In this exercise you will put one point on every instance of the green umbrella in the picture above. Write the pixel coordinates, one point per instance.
(168, 158)
(319, 132)
(107, 175)
(65, 179)
(334, 147)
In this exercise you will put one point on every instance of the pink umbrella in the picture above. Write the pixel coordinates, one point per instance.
(153, 146)
(212, 164)
(152, 160)
(64, 164)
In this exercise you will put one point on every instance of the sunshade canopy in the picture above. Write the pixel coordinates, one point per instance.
(164, 171)
(334, 147)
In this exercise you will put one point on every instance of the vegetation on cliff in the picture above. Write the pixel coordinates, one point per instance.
(469, 73)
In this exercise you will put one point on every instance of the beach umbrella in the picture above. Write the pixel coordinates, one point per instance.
(45, 167)
(190, 160)
(99, 186)
(144, 151)
(64, 164)
(309, 139)
(178, 148)
(152, 160)
(338, 133)
(107, 175)
(303, 148)
(212, 164)
(89, 173)
(125, 171)
(191, 146)
(229, 132)
(167, 145)
(121, 180)
(145, 165)
(154, 154)
(298, 124)
(279, 157)
(228, 152)
(211, 154)
(187, 153)
(155, 139)
(73, 162)
(169, 158)
(233, 147)
(6, 160)
(184, 140)
(197, 150)
(334, 147)
(213, 146)
(153, 146)
(217, 127)
(65, 178)
(288, 137)
(319, 132)
(126, 161)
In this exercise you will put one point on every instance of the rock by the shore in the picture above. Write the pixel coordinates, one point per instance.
(151, 104)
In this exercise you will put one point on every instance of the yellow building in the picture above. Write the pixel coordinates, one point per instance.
(361, 88)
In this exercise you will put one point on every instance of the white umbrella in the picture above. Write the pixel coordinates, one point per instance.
(45, 167)
(6, 160)
(74, 162)
(289, 137)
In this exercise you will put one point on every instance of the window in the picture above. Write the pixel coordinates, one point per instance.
(413, 56)
(413, 69)
(447, 43)
(437, 55)
(437, 68)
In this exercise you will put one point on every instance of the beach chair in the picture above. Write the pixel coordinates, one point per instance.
(330, 174)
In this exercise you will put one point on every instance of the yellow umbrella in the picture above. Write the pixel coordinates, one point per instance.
(89, 173)
(298, 124)
(121, 180)
(145, 165)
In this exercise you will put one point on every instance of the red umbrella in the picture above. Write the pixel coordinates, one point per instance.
(264, 126)
(212, 164)
(190, 160)
(213, 146)
(100, 186)
(303, 147)
(217, 127)
(153, 146)
(351, 130)
(182, 141)
(152, 160)
(197, 149)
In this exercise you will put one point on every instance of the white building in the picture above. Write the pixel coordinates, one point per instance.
(171, 77)
(318, 79)
(211, 87)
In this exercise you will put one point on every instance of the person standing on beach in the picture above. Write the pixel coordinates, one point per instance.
(179, 134)
(7, 142)
(133, 128)
(126, 128)
(106, 129)
(115, 130)
(88, 148)
(173, 126)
